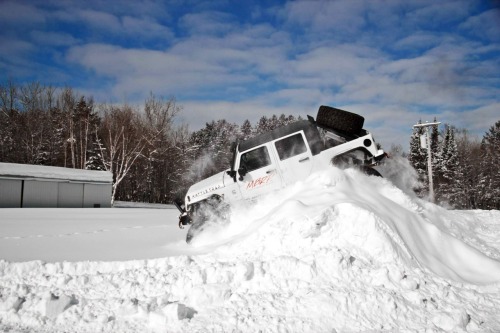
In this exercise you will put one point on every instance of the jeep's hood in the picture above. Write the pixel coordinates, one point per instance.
(206, 186)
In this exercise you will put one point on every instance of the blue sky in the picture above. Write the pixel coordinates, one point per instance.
(394, 62)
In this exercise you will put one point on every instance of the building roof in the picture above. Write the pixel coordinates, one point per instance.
(13, 170)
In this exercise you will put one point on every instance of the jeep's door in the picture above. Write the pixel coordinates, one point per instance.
(261, 174)
(294, 157)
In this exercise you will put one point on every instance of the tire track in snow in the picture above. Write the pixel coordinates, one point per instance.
(76, 233)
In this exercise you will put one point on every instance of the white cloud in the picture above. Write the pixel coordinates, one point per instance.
(342, 17)
(197, 113)
(14, 47)
(476, 120)
(207, 23)
(98, 20)
(136, 70)
(432, 13)
(13, 60)
(417, 41)
(20, 14)
(332, 66)
(395, 91)
(394, 61)
(145, 8)
(485, 25)
(105, 25)
(145, 27)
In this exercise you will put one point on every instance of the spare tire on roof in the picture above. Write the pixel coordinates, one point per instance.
(339, 120)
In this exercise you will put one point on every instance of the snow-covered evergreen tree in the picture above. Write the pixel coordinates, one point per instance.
(94, 156)
(489, 181)
(57, 137)
(264, 125)
(85, 120)
(246, 130)
(448, 189)
(274, 122)
(285, 120)
(418, 156)
(434, 132)
(468, 151)
(213, 147)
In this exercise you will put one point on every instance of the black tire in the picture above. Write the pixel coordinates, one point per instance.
(199, 218)
(204, 213)
(340, 120)
(195, 229)
(371, 172)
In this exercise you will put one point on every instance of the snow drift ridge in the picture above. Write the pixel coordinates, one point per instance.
(346, 208)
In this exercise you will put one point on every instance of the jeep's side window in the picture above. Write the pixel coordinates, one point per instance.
(255, 159)
(291, 146)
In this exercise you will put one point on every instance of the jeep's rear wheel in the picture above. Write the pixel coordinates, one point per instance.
(340, 120)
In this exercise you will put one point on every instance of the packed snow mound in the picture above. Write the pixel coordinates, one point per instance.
(339, 252)
(347, 209)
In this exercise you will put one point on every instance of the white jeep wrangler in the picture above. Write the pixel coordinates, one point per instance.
(273, 160)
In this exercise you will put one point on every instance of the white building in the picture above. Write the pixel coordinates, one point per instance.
(23, 185)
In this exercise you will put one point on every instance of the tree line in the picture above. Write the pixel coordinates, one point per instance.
(152, 157)
(466, 171)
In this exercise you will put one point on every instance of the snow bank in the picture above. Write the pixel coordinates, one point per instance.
(339, 252)
(367, 212)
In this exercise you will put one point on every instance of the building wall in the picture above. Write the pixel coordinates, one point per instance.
(39, 194)
(70, 195)
(31, 193)
(97, 194)
(10, 193)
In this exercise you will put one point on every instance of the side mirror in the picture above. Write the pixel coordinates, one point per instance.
(242, 172)
(232, 174)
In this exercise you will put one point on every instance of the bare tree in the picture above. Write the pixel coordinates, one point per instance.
(123, 141)
(159, 114)
(8, 98)
(67, 103)
(31, 96)
(184, 156)
(32, 123)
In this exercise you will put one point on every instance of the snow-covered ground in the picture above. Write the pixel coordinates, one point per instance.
(339, 252)
(74, 234)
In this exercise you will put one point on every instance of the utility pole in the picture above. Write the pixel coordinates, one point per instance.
(427, 143)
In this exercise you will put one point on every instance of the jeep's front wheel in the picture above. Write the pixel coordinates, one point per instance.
(371, 172)
(194, 229)
(340, 120)
(213, 211)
